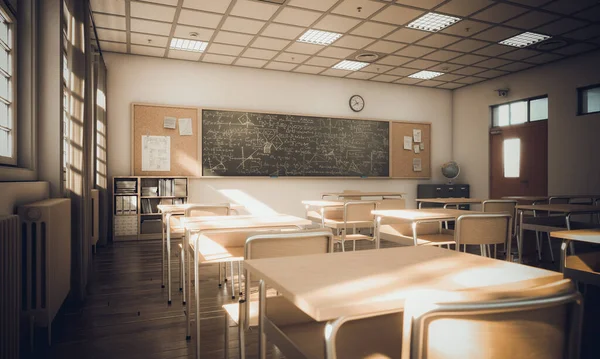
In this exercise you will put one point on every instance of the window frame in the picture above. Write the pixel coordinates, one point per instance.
(12, 87)
(528, 100)
(580, 91)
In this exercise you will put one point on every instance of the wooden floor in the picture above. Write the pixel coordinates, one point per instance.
(126, 313)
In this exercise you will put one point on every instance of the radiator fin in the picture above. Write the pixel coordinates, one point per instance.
(10, 287)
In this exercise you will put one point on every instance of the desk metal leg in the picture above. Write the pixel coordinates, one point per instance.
(240, 278)
(377, 232)
(169, 257)
(182, 268)
(563, 254)
(568, 222)
(162, 277)
(520, 238)
(197, 297)
(231, 264)
(262, 338)
(186, 248)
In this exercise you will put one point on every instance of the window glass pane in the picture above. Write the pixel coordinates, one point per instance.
(4, 88)
(4, 119)
(4, 31)
(500, 115)
(538, 109)
(4, 60)
(512, 157)
(5, 146)
(590, 100)
(518, 112)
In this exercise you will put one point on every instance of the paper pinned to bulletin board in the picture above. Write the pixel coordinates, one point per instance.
(156, 153)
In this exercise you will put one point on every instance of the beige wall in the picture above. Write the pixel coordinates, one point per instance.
(573, 141)
(15, 194)
(175, 82)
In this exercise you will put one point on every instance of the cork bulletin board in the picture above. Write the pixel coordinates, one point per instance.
(402, 160)
(148, 120)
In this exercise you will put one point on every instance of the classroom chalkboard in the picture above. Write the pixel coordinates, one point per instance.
(237, 143)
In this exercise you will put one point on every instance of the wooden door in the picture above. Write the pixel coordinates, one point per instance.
(524, 171)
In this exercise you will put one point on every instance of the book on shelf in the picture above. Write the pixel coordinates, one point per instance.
(126, 186)
(149, 191)
(180, 187)
(146, 206)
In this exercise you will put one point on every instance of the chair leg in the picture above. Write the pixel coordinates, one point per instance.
(242, 340)
(232, 281)
(226, 337)
(551, 250)
(220, 275)
(240, 277)
(538, 245)
(353, 246)
(183, 282)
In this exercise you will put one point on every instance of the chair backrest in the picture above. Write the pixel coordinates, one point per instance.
(395, 203)
(541, 323)
(359, 211)
(203, 210)
(559, 200)
(274, 244)
(500, 206)
(483, 228)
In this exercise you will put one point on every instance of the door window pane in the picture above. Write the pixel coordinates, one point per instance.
(518, 112)
(538, 109)
(590, 100)
(512, 157)
(501, 115)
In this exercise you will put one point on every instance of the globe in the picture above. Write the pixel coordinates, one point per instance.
(450, 170)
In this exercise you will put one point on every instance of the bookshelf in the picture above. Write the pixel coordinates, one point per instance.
(135, 201)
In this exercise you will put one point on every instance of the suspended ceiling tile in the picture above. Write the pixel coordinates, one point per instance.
(493, 63)
(520, 54)
(569, 6)
(424, 4)
(531, 20)
(110, 21)
(497, 34)
(269, 43)
(464, 7)
(218, 59)
(115, 7)
(415, 51)
(449, 77)
(494, 50)
(560, 27)
(112, 35)
(397, 15)
(470, 80)
(515, 66)
(149, 40)
(353, 42)
(222, 49)
(385, 78)
(468, 59)
(113, 46)
(408, 81)
(442, 55)
(377, 68)
(184, 32)
(147, 50)
(500, 13)
(184, 55)
(254, 9)
(394, 60)
(431, 83)
(335, 72)
(336, 52)
(584, 33)
(250, 62)
(438, 40)
(467, 71)
(283, 31)
(281, 66)
(152, 12)
(238, 24)
(373, 29)
(304, 48)
(322, 61)
(401, 71)
(336, 23)
(358, 75)
(219, 6)
(575, 49)
(163, 2)
(199, 18)
(407, 35)
(445, 67)
(450, 86)
(321, 5)
(309, 69)
(466, 28)
(386, 47)
(259, 54)
(350, 8)
(468, 45)
(421, 64)
(298, 17)
(592, 14)
(293, 58)
(233, 38)
(491, 73)
(532, 3)
(150, 27)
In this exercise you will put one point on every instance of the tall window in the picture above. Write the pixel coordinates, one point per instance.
(589, 99)
(8, 128)
(518, 112)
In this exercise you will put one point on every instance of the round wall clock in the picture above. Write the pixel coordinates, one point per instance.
(357, 103)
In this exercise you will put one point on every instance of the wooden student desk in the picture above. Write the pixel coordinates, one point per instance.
(448, 201)
(559, 214)
(360, 195)
(216, 253)
(331, 286)
(584, 267)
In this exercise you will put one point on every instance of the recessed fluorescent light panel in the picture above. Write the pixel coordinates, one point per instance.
(425, 75)
(350, 65)
(188, 45)
(433, 22)
(525, 39)
(319, 37)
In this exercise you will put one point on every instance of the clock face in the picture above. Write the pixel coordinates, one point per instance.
(357, 103)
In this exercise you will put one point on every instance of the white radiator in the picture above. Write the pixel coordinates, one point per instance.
(10, 287)
(46, 246)
(95, 217)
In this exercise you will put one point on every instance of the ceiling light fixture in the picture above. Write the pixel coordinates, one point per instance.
(433, 22)
(350, 65)
(188, 45)
(319, 37)
(425, 75)
(525, 39)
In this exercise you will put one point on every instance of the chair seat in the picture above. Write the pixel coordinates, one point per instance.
(391, 233)
(355, 237)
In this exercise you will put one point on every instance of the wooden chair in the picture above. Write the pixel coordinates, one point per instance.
(484, 229)
(539, 323)
(270, 245)
(502, 206)
(357, 214)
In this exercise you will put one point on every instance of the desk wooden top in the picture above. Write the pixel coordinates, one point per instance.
(180, 208)
(423, 214)
(362, 194)
(323, 203)
(560, 208)
(241, 222)
(583, 235)
(329, 286)
(527, 198)
(450, 200)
